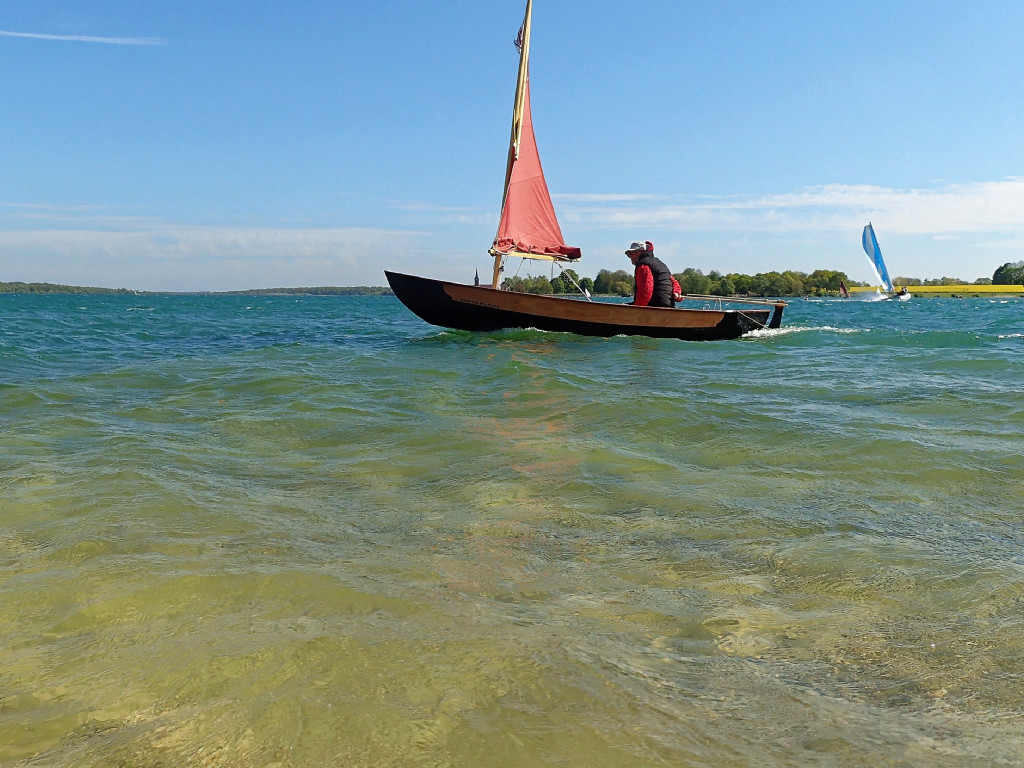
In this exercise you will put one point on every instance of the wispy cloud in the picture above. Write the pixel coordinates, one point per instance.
(429, 214)
(86, 38)
(603, 198)
(965, 230)
(996, 206)
(71, 216)
(186, 242)
(183, 257)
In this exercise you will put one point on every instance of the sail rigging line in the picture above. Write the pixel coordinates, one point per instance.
(578, 286)
(719, 300)
(519, 268)
(748, 317)
(730, 300)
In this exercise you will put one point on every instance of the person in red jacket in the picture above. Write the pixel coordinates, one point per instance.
(655, 285)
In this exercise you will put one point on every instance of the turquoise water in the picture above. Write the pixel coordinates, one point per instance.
(309, 531)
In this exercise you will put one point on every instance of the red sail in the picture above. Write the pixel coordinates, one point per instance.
(528, 223)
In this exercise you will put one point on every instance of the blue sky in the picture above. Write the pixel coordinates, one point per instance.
(222, 144)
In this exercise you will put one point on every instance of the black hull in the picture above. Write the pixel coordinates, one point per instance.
(473, 308)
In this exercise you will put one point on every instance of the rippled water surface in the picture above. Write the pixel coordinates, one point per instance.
(309, 531)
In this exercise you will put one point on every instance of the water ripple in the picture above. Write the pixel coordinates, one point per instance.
(315, 531)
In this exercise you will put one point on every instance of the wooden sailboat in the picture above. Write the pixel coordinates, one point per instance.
(529, 229)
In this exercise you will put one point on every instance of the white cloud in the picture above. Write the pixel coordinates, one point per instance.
(86, 38)
(955, 208)
(185, 258)
(602, 198)
(961, 230)
(426, 215)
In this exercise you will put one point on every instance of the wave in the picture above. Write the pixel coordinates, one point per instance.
(771, 333)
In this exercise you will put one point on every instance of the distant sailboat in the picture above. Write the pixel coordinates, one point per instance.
(870, 243)
(528, 229)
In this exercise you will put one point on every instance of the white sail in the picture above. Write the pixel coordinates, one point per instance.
(874, 253)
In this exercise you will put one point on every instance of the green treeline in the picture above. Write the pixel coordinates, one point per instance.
(1009, 274)
(327, 290)
(355, 290)
(618, 283)
(54, 288)
(621, 283)
(820, 282)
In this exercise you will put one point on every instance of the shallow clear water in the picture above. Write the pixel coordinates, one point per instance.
(307, 531)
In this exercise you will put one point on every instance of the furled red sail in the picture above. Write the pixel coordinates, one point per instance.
(528, 222)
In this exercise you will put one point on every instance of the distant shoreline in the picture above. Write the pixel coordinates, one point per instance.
(55, 288)
(959, 291)
(933, 291)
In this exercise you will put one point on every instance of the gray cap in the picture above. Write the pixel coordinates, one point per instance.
(636, 245)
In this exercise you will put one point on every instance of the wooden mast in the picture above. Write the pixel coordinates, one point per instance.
(517, 121)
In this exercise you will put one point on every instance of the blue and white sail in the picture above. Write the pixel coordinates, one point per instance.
(875, 257)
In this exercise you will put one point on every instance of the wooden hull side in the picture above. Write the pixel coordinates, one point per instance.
(474, 308)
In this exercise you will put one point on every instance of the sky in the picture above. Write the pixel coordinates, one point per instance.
(192, 145)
